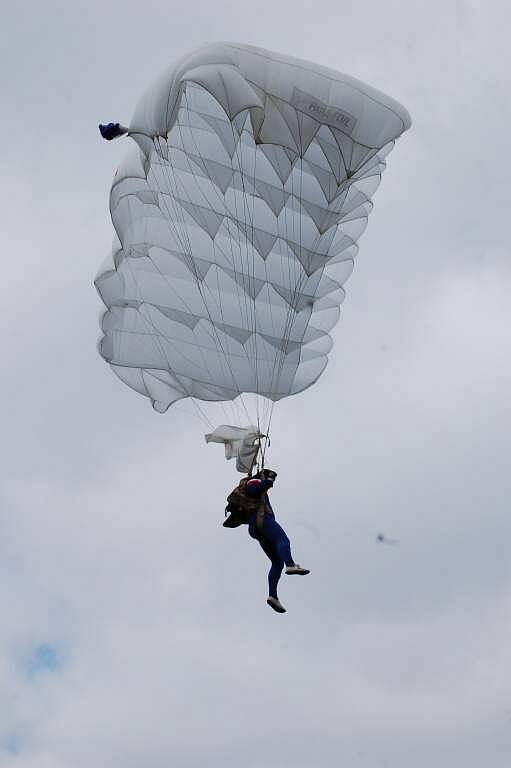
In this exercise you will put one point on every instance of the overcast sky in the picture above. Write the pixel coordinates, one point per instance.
(134, 628)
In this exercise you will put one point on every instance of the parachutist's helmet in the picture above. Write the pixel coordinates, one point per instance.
(268, 474)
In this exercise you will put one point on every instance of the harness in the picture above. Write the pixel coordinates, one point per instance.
(240, 507)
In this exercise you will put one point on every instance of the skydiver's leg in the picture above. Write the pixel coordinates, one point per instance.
(277, 565)
(277, 536)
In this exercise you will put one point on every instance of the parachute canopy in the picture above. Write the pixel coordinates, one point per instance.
(237, 216)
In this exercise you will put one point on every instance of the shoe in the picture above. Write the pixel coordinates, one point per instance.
(275, 603)
(297, 569)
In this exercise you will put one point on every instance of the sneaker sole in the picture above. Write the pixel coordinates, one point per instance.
(275, 608)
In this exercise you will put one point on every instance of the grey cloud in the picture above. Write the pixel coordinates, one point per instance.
(111, 542)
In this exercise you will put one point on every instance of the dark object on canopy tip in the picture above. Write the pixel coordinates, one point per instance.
(112, 130)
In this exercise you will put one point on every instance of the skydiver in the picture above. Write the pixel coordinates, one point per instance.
(271, 536)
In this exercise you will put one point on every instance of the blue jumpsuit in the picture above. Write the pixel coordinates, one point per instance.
(271, 536)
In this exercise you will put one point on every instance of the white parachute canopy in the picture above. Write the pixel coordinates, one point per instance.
(237, 216)
(241, 443)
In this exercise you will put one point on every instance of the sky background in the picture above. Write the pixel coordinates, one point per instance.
(134, 629)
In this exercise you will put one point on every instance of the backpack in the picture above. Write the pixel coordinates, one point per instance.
(240, 507)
